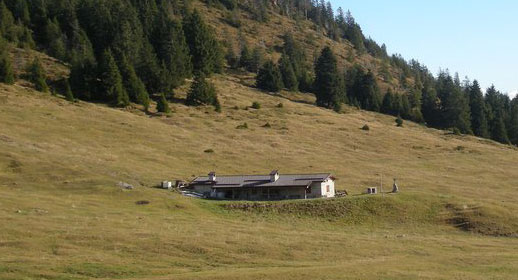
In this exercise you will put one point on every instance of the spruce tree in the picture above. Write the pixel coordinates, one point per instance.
(245, 59)
(37, 75)
(478, 111)
(162, 105)
(500, 131)
(327, 82)
(111, 86)
(6, 68)
(205, 50)
(269, 77)
(134, 86)
(513, 127)
(202, 92)
(386, 105)
(8, 26)
(69, 96)
(288, 75)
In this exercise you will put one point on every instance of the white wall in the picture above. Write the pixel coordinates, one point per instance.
(331, 184)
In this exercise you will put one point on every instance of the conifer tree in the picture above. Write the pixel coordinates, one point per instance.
(500, 131)
(327, 82)
(513, 127)
(288, 75)
(69, 96)
(162, 104)
(134, 86)
(205, 50)
(169, 41)
(202, 92)
(269, 77)
(386, 105)
(6, 68)
(478, 111)
(245, 59)
(37, 76)
(257, 60)
(111, 86)
(405, 107)
(8, 26)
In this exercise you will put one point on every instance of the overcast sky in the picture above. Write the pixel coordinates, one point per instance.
(476, 38)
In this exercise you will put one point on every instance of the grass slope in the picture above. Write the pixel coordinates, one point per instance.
(64, 217)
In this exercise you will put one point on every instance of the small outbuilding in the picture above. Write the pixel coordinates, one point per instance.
(274, 186)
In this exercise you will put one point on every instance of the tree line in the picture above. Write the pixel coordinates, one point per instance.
(119, 51)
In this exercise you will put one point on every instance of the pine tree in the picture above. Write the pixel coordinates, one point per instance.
(288, 75)
(8, 26)
(134, 86)
(245, 58)
(386, 105)
(327, 82)
(37, 76)
(205, 51)
(405, 107)
(202, 92)
(257, 60)
(269, 77)
(170, 44)
(6, 68)
(513, 127)
(69, 96)
(478, 111)
(162, 104)
(111, 86)
(368, 92)
(500, 131)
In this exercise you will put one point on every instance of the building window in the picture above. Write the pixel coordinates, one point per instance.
(327, 188)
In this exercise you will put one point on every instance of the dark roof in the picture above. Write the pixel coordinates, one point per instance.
(257, 181)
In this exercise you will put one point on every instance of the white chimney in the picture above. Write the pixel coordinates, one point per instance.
(274, 176)
(212, 176)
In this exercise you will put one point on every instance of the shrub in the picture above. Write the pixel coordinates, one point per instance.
(267, 125)
(256, 105)
(242, 126)
(456, 131)
(209, 151)
(366, 128)
(399, 121)
(280, 105)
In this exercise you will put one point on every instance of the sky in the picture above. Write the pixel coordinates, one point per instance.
(476, 38)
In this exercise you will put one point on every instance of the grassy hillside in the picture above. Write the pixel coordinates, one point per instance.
(65, 217)
(269, 37)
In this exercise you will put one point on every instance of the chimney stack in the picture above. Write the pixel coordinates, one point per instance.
(212, 176)
(274, 176)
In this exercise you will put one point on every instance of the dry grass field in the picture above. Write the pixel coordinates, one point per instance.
(63, 215)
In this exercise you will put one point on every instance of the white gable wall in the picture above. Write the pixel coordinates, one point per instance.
(324, 188)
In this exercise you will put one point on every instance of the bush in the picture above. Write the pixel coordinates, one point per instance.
(399, 121)
(267, 125)
(209, 151)
(242, 126)
(256, 105)
(280, 105)
(456, 131)
(366, 128)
